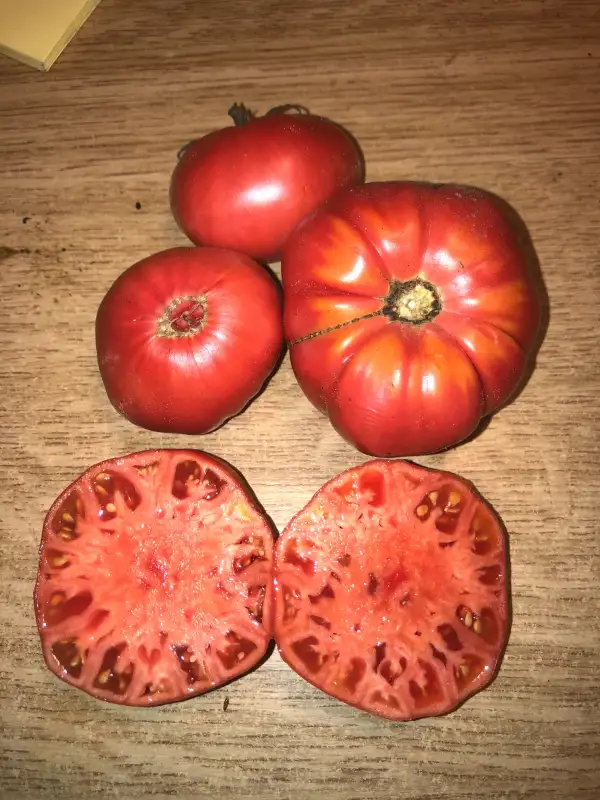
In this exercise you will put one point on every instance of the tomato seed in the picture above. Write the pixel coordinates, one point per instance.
(111, 508)
(468, 620)
(422, 511)
(101, 490)
(454, 498)
(104, 676)
(433, 497)
(67, 517)
(477, 626)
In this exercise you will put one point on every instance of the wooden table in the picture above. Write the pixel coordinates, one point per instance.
(501, 95)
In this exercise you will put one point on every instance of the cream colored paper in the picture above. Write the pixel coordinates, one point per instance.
(37, 31)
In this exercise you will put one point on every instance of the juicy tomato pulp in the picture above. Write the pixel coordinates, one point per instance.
(390, 590)
(246, 187)
(155, 579)
(410, 313)
(187, 337)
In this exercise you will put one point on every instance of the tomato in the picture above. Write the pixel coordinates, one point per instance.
(391, 590)
(155, 578)
(247, 187)
(187, 337)
(411, 313)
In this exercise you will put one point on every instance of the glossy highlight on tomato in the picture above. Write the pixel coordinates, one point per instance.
(187, 337)
(247, 187)
(155, 578)
(391, 590)
(411, 312)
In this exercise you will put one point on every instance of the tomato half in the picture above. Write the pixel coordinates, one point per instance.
(391, 590)
(155, 578)
(247, 187)
(411, 313)
(187, 337)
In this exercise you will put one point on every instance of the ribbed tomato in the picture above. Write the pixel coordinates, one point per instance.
(187, 337)
(391, 590)
(410, 311)
(155, 578)
(247, 187)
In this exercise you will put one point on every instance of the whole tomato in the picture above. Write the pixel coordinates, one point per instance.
(247, 187)
(187, 337)
(410, 313)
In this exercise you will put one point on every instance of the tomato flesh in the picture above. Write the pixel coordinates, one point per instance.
(155, 579)
(391, 590)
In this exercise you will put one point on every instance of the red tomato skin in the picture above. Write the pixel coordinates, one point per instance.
(389, 387)
(246, 188)
(195, 383)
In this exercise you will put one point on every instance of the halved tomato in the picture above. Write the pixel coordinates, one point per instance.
(155, 578)
(391, 590)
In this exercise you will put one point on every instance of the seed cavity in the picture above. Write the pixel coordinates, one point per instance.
(60, 608)
(188, 663)
(326, 593)
(380, 650)
(69, 656)
(450, 637)
(236, 651)
(291, 598)
(320, 621)
(109, 678)
(355, 672)
(292, 556)
(307, 651)
(256, 601)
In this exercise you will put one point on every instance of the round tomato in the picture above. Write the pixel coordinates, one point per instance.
(155, 578)
(410, 312)
(247, 187)
(187, 337)
(391, 590)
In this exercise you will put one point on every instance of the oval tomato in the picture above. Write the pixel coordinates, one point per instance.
(187, 337)
(155, 578)
(247, 187)
(410, 313)
(390, 590)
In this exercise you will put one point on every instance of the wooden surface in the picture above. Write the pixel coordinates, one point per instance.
(501, 95)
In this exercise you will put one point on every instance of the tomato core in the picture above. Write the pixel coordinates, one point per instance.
(415, 301)
(184, 316)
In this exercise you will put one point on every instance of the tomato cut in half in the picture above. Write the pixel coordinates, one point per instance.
(155, 578)
(391, 590)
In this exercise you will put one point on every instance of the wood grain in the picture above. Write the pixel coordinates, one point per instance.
(501, 95)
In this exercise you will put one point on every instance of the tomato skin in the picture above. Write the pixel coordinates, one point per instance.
(189, 381)
(393, 386)
(246, 188)
(391, 590)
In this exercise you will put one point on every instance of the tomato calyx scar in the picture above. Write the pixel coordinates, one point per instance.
(184, 316)
(416, 301)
